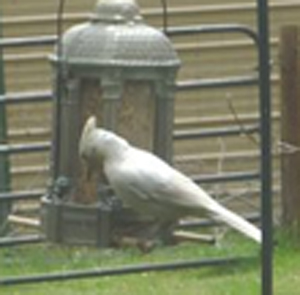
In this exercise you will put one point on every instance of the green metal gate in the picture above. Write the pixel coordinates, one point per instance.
(4, 159)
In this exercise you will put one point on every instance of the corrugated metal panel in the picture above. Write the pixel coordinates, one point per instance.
(203, 56)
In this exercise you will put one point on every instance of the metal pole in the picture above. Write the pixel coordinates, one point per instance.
(4, 159)
(25, 97)
(123, 270)
(266, 166)
(247, 80)
(6, 149)
(21, 195)
(59, 88)
(28, 41)
(23, 240)
(212, 132)
(226, 177)
(209, 29)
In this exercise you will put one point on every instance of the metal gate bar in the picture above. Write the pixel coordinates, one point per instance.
(124, 270)
(225, 177)
(266, 147)
(171, 31)
(23, 195)
(209, 29)
(22, 240)
(217, 131)
(26, 97)
(179, 135)
(5, 181)
(28, 41)
(217, 82)
(219, 261)
(24, 148)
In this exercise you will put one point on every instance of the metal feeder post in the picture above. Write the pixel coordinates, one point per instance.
(123, 71)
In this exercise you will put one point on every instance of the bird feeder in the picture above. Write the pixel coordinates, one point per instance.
(123, 71)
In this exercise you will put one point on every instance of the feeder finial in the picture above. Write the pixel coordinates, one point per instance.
(124, 11)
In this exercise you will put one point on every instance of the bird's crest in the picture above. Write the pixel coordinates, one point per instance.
(90, 125)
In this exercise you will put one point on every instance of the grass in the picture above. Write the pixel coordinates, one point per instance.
(232, 280)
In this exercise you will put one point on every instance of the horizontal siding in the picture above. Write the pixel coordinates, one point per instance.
(203, 56)
(21, 8)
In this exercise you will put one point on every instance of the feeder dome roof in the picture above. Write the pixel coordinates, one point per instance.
(117, 36)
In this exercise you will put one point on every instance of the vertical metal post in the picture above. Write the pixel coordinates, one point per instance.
(164, 115)
(266, 166)
(4, 160)
(59, 88)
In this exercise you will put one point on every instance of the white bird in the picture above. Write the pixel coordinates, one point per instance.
(151, 186)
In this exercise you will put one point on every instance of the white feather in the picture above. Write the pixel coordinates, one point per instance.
(150, 185)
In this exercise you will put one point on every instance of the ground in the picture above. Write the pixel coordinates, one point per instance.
(239, 279)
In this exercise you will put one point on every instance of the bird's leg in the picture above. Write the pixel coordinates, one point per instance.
(140, 234)
(156, 234)
(165, 232)
(219, 233)
(147, 236)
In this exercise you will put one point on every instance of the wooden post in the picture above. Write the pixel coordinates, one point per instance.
(290, 126)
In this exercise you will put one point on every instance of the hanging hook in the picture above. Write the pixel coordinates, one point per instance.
(59, 86)
(164, 4)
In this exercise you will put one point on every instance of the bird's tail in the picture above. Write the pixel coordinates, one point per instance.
(235, 221)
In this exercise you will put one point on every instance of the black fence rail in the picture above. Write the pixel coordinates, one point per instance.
(22, 195)
(123, 270)
(27, 41)
(26, 97)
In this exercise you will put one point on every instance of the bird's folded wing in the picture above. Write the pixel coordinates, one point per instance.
(166, 187)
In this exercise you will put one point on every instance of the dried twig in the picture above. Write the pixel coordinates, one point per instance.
(287, 148)
(240, 123)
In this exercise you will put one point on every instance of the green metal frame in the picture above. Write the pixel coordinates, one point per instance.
(4, 158)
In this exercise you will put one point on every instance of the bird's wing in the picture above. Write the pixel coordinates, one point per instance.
(147, 177)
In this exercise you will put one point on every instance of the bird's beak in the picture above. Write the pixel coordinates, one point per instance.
(89, 172)
(87, 168)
